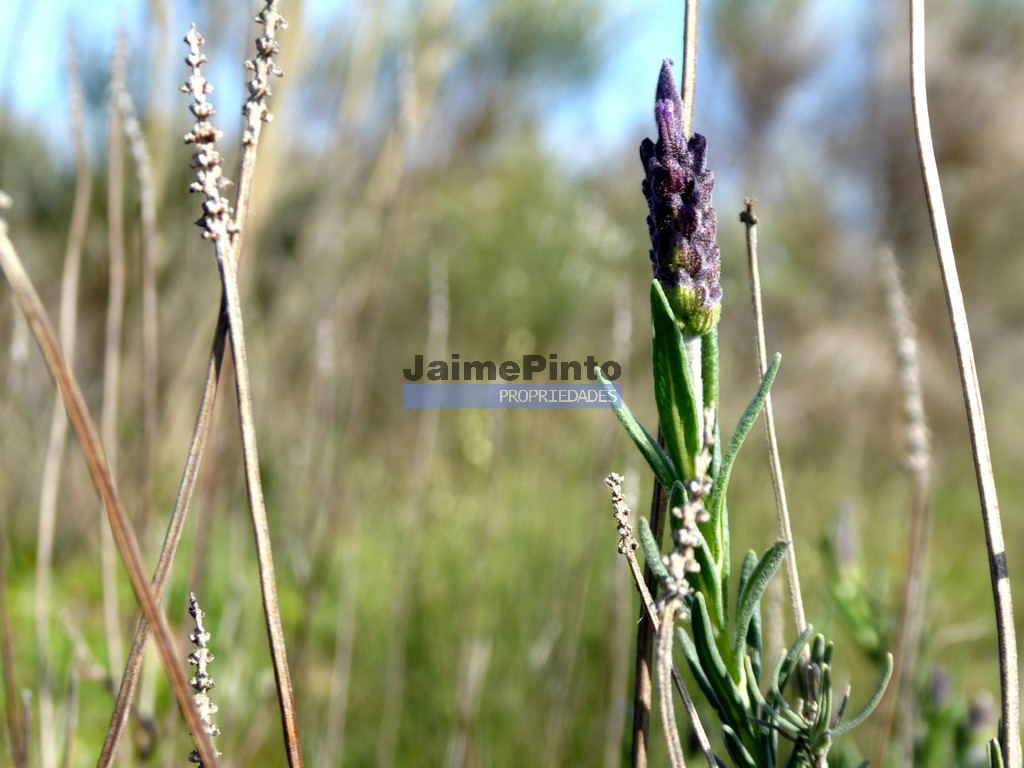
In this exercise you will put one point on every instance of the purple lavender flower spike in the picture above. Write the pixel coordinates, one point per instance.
(682, 223)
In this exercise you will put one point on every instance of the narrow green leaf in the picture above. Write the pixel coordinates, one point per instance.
(749, 564)
(751, 592)
(707, 582)
(732, 703)
(673, 385)
(826, 701)
(767, 737)
(734, 746)
(743, 428)
(876, 697)
(690, 654)
(668, 416)
(652, 554)
(752, 690)
(995, 754)
(752, 640)
(787, 663)
(709, 379)
(656, 458)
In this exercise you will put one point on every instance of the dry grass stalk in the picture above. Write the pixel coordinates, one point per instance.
(150, 326)
(70, 722)
(438, 324)
(1008, 670)
(204, 419)
(474, 658)
(136, 654)
(26, 723)
(102, 477)
(219, 227)
(333, 744)
(910, 623)
(785, 530)
(54, 457)
(112, 351)
(691, 21)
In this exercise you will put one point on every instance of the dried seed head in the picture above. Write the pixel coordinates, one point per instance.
(255, 110)
(621, 510)
(201, 681)
(216, 221)
(682, 223)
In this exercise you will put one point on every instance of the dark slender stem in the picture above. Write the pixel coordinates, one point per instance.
(645, 636)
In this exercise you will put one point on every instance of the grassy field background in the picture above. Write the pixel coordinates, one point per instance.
(451, 577)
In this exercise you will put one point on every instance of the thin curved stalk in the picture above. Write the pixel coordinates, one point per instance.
(224, 232)
(150, 325)
(261, 530)
(54, 459)
(910, 624)
(782, 508)
(112, 354)
(1008, 674)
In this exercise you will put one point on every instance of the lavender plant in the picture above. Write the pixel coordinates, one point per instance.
(723, 648)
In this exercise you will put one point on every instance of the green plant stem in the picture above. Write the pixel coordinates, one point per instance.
(645, 635)
(692, 346)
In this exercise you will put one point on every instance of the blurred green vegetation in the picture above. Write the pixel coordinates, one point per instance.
(407, 164)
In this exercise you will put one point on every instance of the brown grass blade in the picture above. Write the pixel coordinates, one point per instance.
(99, 471)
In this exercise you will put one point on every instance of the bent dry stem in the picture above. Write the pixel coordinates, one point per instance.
(99, 471)
(1008, 671)
(219, 227)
